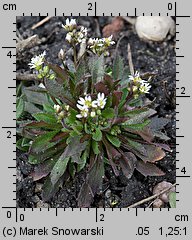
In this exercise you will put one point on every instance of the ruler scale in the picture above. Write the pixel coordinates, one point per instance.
(47, 223)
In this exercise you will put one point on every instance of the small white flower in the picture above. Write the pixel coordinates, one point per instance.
(144, 87)
(70, 24)
(135, 77)
(99, 46)
(82, 35)
(93, 114)
(68, 37)
(84, 112)
(57, 108)
(108, 41)
(87, 102)
(84, 31)
(37, 61)
(101, 100)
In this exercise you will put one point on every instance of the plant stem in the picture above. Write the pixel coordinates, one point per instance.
(151, 197)
(75, 56)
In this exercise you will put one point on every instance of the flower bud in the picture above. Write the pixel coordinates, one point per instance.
(61, 115)
(93, 114)
(61, 54)
(98, 112)
(66, 107)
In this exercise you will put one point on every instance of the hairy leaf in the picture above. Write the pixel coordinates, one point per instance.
(148, 169)
(108, 81)
(136, 147)
(72, 169)
(45, 117)
(60, 72)
(43, 142)
(56, 90)
(81, 71)
(123, 98)
(35, 95)
(158, 123)
(31, 108)
(92, 184)
(113, 155)
(118, 67)
(108, 113)
(114, 140)
(43, 169)
(49, 190)
(116, 97)
(97, 135)
(95, 147)
(153, 153)
(137, 126)
(160, 135)
(127, 163)
(101, 87)
(96, 66)
(75, 147)
(172, 199)
(139, 118)
(59, 168)
(134, 112)
(84, 158)
(41, 124)
(20, 105)
(37, 158)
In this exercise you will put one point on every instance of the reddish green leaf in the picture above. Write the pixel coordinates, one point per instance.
(43, 142)
(56, 90)
(43, 169)
(127, 163)
(101, 87)
(60, 72)
(118, 67)
(148, 169)
(116, 97)
(92, 184)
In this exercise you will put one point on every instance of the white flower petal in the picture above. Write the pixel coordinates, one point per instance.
(80, 107)
(79, 116)
(94, 104)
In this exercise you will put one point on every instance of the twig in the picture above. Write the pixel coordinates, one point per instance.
(151, 197)
(129, 56)
(118, 43)
(27, 77)
(41, 22)
(27, 43)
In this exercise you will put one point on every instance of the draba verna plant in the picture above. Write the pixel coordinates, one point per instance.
(83, 114)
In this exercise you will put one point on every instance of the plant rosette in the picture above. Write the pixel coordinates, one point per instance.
(87, 116)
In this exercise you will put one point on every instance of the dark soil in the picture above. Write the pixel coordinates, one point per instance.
(147, 57)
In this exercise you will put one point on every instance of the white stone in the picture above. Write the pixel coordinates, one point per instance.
(154, 28)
